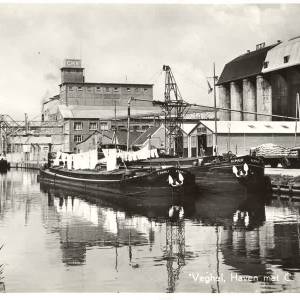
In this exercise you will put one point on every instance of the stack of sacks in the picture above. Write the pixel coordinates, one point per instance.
(271, 150)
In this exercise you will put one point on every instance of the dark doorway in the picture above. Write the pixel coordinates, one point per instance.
(179, 145)
(202, 145)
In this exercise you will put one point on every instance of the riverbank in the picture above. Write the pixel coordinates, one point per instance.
(35, 165)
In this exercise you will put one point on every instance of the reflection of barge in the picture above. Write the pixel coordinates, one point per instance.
(145, 184)
(4, 164)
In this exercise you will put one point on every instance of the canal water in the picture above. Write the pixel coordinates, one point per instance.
(58, 241)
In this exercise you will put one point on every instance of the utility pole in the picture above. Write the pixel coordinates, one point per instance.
(26, 124)
(1, 133)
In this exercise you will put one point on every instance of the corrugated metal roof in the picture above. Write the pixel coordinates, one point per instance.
(275, 57)
(122, 137)
(105, 112)
(276, 127)
(246, 65)
(145, 135)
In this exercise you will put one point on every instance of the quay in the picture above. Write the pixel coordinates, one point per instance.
(285, 182)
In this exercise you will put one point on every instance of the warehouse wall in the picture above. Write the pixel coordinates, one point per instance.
(240, 144)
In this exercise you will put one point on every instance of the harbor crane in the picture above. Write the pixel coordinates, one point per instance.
(174, 108)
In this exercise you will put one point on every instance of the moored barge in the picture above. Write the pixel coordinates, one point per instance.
(218, 173)
(157, 185)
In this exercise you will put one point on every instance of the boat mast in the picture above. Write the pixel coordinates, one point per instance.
(215, 109)
(297, 116)
(115, 133)
(128, 122)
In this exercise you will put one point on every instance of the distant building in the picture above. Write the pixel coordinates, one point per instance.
(30, 148)
(263, 81)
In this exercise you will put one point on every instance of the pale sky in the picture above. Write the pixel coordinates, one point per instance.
(121, 41)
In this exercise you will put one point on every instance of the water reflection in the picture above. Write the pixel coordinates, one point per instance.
(114, 226)
(86, 242)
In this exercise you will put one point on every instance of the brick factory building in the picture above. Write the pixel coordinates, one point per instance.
(263, 81)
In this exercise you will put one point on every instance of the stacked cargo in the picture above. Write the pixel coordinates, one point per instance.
(271, 150)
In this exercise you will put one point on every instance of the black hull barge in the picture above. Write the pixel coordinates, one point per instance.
(155, 185)
(245, 174)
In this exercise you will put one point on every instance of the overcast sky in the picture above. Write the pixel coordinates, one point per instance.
(119, 42)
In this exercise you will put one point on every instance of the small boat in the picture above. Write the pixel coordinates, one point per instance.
(4, 164)
(154, 185)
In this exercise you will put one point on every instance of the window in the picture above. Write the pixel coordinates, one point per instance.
(145, 89)
(98, 88)
(128, 89)
(77, 138)
(116, 89)
(107, 89)
(286, 59)
(266, 64)
(80, 88)
(103, 126)
(136, 89)
(93, 125)
(89, 88)
(77, 125)
(71, 88)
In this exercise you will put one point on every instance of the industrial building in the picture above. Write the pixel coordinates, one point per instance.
(264, 81)
(83, 107)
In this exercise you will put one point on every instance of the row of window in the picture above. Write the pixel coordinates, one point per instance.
(79, 125)
(94, 126)
(106, 89)
(285, 60)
